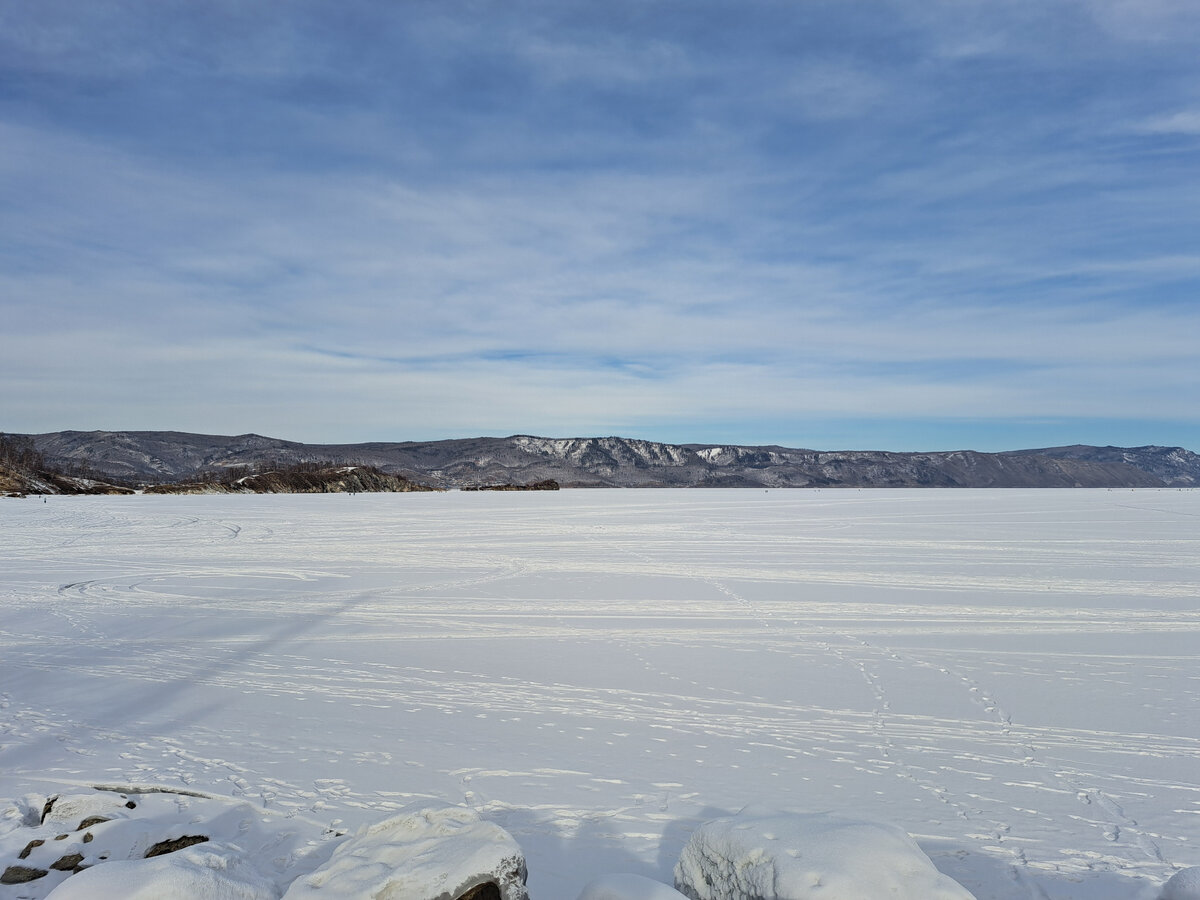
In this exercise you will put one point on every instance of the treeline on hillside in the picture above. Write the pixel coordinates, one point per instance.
(18, 452)
(24, 470)
(548, 484)
(232, 475)
(298, 478)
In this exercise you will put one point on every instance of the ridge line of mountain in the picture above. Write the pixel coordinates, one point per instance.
(149, 457)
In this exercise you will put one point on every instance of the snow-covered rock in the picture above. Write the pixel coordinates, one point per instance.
(628, 887)
(1184, 885)
(70, 812)
(136, 841)
(438, 853)
(771, 855)
(203, 872)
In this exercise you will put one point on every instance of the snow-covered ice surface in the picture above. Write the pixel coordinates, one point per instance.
(1010, 676)
(627, 886)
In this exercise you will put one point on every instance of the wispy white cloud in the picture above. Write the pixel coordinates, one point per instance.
(1185, 121)
(835, 89)
(1156, 21)
(563, 221)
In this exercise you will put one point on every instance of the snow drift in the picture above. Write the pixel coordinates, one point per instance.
(767, 855)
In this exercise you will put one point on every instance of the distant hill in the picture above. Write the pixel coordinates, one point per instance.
(1174, 465)
(166, 456)
(24, 471)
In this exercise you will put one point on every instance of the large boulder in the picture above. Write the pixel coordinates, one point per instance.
(439, 853)
(206, 872)
(772, 855)
(141, 841)
(1184, 885)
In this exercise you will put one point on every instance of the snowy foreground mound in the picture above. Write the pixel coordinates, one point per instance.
(1184, 885)
(139, 844)
(134, 842)
(149, 844)
(431, 854)
(768, 855)
(131, 843)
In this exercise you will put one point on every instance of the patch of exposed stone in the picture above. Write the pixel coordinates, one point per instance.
(21, 874)
(486, 891)
(68, 862)
(64, 822)
(164, 847)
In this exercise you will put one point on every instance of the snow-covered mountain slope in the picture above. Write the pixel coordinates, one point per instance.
(609, 452)
(1175, 466)
(624, 462)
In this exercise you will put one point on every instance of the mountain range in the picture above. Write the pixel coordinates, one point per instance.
(166, 456)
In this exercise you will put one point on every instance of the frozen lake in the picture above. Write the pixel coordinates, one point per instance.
(1009, 675)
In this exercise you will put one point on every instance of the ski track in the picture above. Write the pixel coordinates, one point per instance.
(599, 673)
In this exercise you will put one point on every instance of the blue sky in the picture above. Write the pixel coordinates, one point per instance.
(933, 225)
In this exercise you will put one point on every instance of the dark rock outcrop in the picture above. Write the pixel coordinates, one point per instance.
(68, 863)
(300, 480)
(22, 874)
(164, 847)
(17, 483)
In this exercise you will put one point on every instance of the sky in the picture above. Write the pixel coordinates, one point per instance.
(892, 225)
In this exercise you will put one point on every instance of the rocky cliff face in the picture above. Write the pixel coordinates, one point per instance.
(333, 480)
(24, 471)
(21, 484)
(610, 453)
(621, 462)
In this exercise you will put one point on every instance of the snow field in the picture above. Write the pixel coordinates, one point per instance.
(1009, 676)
